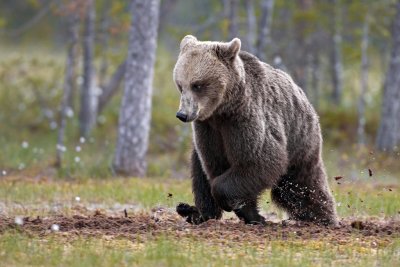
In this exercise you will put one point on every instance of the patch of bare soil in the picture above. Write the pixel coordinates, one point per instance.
(144, 226)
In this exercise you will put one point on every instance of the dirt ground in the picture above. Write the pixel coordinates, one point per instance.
(145, 226)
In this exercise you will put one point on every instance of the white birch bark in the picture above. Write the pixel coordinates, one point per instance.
(135, 112)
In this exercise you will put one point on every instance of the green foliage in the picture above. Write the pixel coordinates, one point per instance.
(30, 95)
(31, 90)
(338, 125)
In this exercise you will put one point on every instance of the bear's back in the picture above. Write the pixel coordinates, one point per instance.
(283, 103)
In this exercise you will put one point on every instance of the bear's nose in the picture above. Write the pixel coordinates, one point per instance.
(183, 117)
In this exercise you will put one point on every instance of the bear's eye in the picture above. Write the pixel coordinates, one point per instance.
(197, 87)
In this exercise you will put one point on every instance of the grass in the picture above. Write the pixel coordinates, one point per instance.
(21, 250)
(353, 199)
(143, 193)
(24, 196)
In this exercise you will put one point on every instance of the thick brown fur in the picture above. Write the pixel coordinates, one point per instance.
(253, 129)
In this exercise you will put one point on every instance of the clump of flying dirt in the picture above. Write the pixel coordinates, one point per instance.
(142, 226)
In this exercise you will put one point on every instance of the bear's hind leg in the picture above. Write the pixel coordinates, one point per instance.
(305, 195)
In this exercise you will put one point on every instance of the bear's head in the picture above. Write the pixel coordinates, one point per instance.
(204, 75)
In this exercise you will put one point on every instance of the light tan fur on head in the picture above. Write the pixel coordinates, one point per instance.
(204, 73)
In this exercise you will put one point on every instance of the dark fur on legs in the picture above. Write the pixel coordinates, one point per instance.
(209, 205)
(249, 213)
(204, 201)
(206, 208)
(233, 192)
(304, 199)
(191, 213)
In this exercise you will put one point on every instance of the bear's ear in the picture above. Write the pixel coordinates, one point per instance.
(187, 40)
(234, 46)
(229, 51)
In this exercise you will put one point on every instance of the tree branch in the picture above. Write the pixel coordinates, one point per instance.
(30, 23)
(111, 87)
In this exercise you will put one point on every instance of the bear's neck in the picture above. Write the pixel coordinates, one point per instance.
(236, 99)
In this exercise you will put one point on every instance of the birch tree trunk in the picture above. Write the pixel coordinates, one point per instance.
(389, 130)
(264, 30)
(104, 36)
(87, 116)
(251, 24)
(135, 113)
(73, 32)
(363, 82)
(336, 54)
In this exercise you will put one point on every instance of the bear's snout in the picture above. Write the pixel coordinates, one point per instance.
(183, 117)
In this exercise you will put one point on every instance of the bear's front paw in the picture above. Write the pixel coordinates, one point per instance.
(191, 213)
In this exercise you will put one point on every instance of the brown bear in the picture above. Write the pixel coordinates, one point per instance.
(253, 129)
